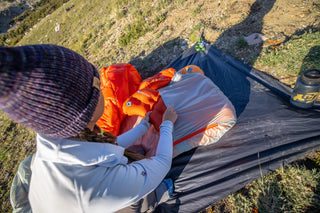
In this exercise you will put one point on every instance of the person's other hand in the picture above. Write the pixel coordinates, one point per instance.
(147, 116)
(170, 115)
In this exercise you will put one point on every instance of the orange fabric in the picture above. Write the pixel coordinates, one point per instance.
(159, 80)
(141, 102)
(118, 82)
(147, 96)
(125, 94)
(157, 114)
(194, 133)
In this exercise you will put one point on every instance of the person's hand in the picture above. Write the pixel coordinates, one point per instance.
(147, 116)
(170, 115)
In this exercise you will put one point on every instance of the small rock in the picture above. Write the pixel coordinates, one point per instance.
(184, 42)
(57, 28)
(175, 49)
(255, 38)
(184, 47)
(69, 8)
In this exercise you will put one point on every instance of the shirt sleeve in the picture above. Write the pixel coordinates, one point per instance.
(158, 166)
(128, 138)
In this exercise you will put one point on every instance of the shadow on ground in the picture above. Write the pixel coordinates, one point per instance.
(159, 58)
(312, 60)
(252, 24)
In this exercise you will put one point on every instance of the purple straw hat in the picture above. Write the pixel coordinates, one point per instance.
(48, 88)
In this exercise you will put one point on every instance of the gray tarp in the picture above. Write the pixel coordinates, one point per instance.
(269, 133)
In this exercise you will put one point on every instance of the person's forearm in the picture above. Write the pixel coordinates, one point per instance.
(164, 149)
(128, 138)
(158, 166)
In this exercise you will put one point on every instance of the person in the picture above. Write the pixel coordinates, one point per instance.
(55, 92)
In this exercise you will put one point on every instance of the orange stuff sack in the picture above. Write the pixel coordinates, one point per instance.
(118, 82)
(159, 80)
(191, 69)
(141, 102)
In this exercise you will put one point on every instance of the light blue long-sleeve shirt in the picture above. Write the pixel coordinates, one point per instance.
(73, 176)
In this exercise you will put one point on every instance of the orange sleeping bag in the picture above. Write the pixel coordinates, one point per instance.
(147, 96)
(125, 94)
(118, 82)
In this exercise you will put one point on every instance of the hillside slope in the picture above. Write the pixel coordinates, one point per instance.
(149, 34)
